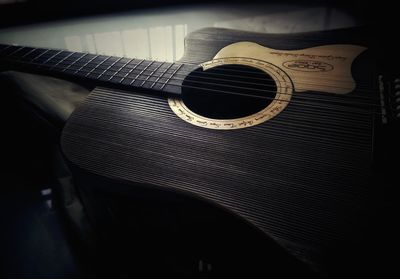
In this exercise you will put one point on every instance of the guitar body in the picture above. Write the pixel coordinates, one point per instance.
(303, 179)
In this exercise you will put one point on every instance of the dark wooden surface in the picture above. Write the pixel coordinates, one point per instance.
(304, 181)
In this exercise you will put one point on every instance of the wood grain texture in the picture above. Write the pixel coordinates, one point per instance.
(302, 178)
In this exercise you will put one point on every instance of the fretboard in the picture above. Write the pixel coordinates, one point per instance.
(162, 77)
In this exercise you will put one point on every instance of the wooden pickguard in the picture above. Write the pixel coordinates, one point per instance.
(324, 68)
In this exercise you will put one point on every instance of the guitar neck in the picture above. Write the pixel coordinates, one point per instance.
(162, 77)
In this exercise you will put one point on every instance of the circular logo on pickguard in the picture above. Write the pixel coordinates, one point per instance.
(307, 66)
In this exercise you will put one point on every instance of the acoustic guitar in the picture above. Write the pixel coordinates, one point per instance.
(280, 131)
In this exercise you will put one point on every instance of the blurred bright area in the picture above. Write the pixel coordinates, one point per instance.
(159, 34)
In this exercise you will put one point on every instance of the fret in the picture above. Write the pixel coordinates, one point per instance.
(18, 54)
(34, 53)
(4, 47)
(144, 69)
(105, 71)
(91, 64)
(118, 66)
(73, 66)
(93, 69)
(38, 56)
(29, 52)
(100, 58)
(44, 56)
(124, 61)
(103, 67)
(60, 65)
(9, 50)
(98, 71)
(24, 51)
(15, 51)
(139, 69)
(111, 60)
(126, 76)
(152, 68)
(162, 74)
(79, 71)
(47, 57)
(72, 59)
(173, 73)
(147, 78)
(115, 67)
(86, 59)
(3, 50)
(132, 66)
(125, 70)
(148, 81)
(119, 71)
(126, 81)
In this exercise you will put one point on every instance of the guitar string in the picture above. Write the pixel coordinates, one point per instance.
(204, 72)
(200, 74)
(326, 108)
(253, 89)
(221, 70)
(359, 83)
(262, 77)
(331, 108)
(271, 91)
(241, 94)
(261, 74)
(262, 90)
(273, 86)
(314, 99)
(208, 76)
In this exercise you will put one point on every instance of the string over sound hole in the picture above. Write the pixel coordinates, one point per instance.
(228, 91)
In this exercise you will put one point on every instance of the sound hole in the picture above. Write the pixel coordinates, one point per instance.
(228, 91)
